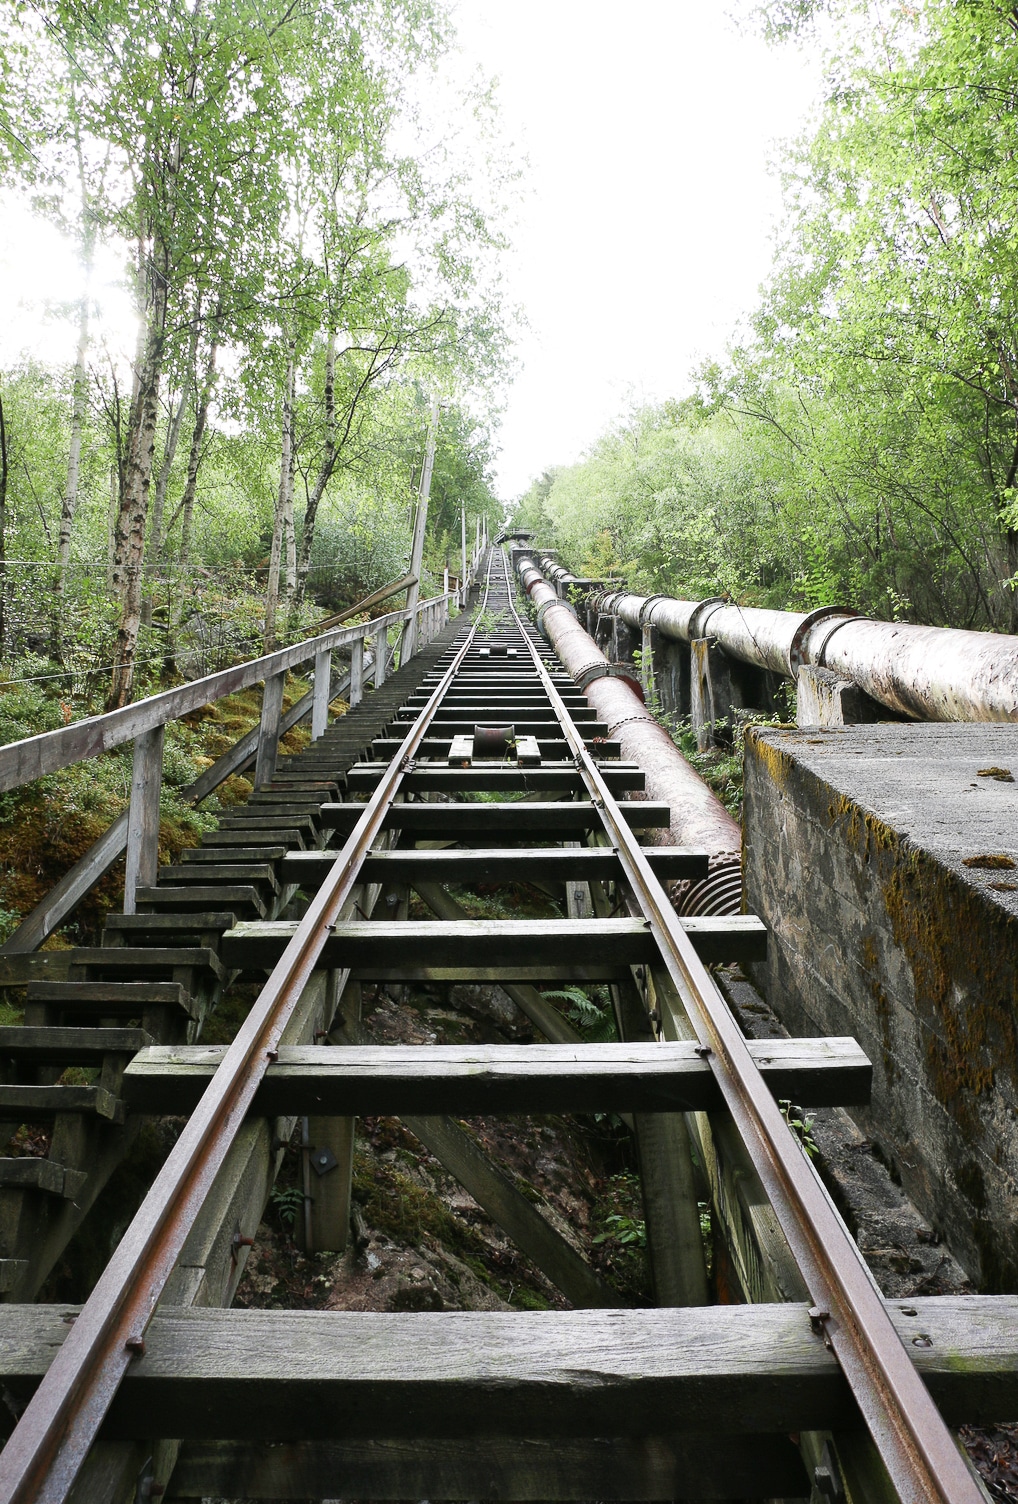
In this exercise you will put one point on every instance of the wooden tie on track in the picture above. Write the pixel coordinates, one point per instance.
(693, 1401)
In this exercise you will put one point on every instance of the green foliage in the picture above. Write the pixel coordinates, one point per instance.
(801, 1125)
(625, 1232)
(593, 1017)
(859, 442)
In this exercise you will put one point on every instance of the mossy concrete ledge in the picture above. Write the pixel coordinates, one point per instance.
(884, 860)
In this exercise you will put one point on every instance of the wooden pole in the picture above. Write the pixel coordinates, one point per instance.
(268, 730)
(143, 817)
(408, 641)
(320, 700)
(464, 586)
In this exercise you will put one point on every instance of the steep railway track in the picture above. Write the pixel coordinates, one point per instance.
(543, 1405)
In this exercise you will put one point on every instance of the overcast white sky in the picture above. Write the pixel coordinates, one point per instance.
(645, 232)
(644, 227)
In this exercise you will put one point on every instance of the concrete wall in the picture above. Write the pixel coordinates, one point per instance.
(885, 861)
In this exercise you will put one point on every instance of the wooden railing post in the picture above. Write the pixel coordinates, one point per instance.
(143, 817)
(320, 700)
(356, 672)
(381, 653)
(268, 730)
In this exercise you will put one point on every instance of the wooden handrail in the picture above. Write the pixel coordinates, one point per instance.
(22, 762)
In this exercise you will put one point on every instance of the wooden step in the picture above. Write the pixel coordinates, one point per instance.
(246, 839)
(69, 1045)
(25, 1173)
(31, 1104)
(724, 1369)
(197, 896)
(497, 864)
(242, 854)
(415, 948)
(253, 820)
(397, 1080)
(150, 958)
(201, 928)
(112, 999)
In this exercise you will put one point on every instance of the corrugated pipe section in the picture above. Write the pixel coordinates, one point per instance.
(926, 673)
(699, 819)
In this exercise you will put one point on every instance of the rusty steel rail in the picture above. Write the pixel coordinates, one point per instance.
(848, 1313)
(49, 1444)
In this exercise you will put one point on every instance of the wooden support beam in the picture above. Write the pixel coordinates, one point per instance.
(636, 1468)
(493, 1190)
(548, 818)
(143, 815)
(496, 943)
(363, 776)
(333, 1136)
(580, 864)
(321, 693)
(270, 1375)
(504, 1078)
(268, 729)
(356, 673)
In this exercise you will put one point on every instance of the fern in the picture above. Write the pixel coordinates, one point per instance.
(595, 1022)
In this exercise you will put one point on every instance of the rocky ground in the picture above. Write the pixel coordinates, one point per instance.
(422, 1244)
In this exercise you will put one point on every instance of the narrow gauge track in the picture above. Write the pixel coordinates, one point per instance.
(431, 748)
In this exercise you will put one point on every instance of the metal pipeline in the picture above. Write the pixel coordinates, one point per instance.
(927, 673)
(698, 819)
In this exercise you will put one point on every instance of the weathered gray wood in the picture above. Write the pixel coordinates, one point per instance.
(69, 1045)
(523, 817)
(46, 1175)
(143, 814)
(330, 1196)
(65, 895)
(496, 864)
(356, 673)
(363, 776)
(268, 729)
(321, 694)
(148, 958)
(381, 655)
(636, 1468)
(16, 970)
(504, 1078)
(267, 1375)
(458, 749)
(21, 762)
(26, 1104)
(493, 943)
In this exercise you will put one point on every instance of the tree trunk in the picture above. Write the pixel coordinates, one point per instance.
(133, 514)
(156, 534)
(186, 507)
(284, 499)
(325, 469)
(5, 470)
(79, 410)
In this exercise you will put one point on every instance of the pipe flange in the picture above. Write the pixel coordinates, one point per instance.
(701, 612)
(546, 606)
(648, 606)
(584, 676)
(796, 656)
(629, 720)
(628, 675)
